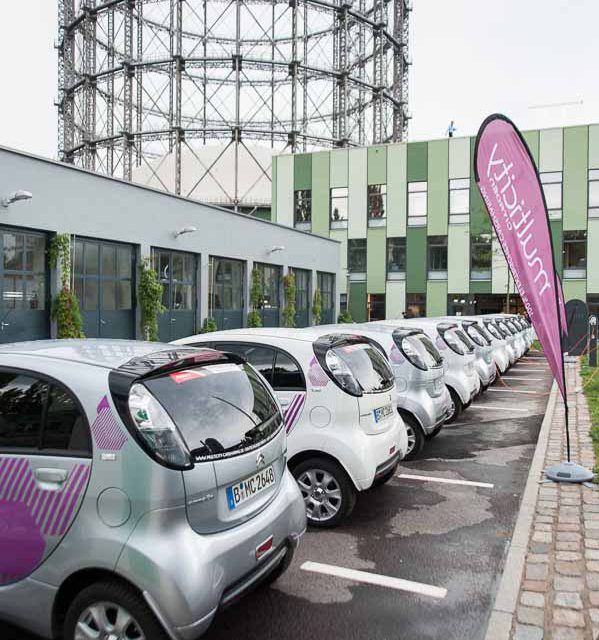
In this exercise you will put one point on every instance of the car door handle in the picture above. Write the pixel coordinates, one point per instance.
(51, 476)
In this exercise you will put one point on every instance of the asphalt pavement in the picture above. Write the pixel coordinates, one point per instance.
(432, 540)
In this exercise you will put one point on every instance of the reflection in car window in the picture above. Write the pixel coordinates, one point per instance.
(286, 374)
(22, 400)
(261, 358)
(65, 429)
(368, 366)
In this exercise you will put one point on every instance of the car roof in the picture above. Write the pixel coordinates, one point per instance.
(97, 352)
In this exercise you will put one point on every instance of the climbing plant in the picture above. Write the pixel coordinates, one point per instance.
(317, 306)
(65, 306)
(209, 325)
(345, 317)
(149, 297)
(289, 310)
(256, 298)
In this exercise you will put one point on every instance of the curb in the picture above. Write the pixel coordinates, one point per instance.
(506, 600)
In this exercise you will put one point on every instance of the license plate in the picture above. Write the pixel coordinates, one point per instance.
(242, 491)
(383, 412)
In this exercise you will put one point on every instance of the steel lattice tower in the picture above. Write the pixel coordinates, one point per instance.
(144, 84)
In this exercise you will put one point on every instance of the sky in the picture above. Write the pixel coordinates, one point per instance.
(470, 58)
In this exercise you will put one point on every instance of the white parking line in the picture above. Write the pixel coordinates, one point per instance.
(522, 378)
(534, 393)
(375, 579)
(468, 483)
(486, 406)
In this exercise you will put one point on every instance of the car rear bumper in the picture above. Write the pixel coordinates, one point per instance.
(429, 411)
(187, 577)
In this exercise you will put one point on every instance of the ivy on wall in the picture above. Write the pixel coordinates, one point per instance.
(256, 298)
(317, 306)
(289, 310)
(149, 297)
(65, 306)
(344, 317)
(209, 325)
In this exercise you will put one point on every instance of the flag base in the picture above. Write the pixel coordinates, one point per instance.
(569, 472)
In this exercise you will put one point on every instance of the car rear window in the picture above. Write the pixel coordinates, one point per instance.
(431, 349)
(494, 331)
(465, 340)
(477, 335)
(220, 410)
(368, 366)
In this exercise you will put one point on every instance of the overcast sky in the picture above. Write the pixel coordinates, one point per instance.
(470, 58)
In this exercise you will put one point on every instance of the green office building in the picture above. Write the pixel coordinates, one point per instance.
(416, 237)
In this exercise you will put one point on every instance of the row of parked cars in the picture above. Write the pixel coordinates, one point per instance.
(143, 487)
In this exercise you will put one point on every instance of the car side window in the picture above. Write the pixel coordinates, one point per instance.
(65, 428)
(261, 358)
(22, 399)
(287, 374)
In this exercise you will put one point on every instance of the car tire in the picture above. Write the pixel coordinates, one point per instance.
(323, 475)
(416, 437)
(435, 432)
(458, 407)
(380, 481)
(113, 596)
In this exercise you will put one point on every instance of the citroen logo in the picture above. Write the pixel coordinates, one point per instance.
(260, 460)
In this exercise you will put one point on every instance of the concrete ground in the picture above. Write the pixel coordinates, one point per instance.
(448, 539)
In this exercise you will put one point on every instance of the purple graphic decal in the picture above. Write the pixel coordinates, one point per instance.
(318, 378)
(29, 514)
(106, 430)
(293, 411)
(395, 355)
(21, 543)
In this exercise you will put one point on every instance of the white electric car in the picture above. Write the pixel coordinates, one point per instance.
(513, 335)
(498, 344)
(461, 378)
(338, 396)
(423, 400)
(501, 333)
(484, 363)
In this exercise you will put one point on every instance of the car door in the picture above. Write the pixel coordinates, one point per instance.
(45, 462)
(289, 385)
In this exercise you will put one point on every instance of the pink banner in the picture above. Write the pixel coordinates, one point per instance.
(562, 306)
(510, 187)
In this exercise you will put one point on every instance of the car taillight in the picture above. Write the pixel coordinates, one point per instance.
(342, 374)
(453, 342)
(412, 354)
(157, 429)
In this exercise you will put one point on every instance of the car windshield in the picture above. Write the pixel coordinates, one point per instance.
(368, 366)
(220, 410)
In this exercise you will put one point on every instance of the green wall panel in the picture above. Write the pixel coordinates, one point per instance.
(377, 165)
(438, 188)
(556, 238)
(479, 218)
(436, 298)
(302, 171)
(551, 150)
(575, 290)
(397, 190)
(593, 256)
(357, 301)
(417, 161)
(594, 146)
(532, 140)
(416, 260)
(320, 193)
(376, 260)
(339, 160)
(459, 158)
(273, 199)
(575, 178)
(481, 286)
(458, 258)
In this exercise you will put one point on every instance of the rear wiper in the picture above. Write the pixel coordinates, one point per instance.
(247, 415)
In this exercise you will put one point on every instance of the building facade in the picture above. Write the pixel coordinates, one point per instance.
(416, 237)
(204, 256)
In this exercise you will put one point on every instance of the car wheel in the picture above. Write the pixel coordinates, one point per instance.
(483, 387)
(112, 610)
(458, 407)
(328, 492)
(435, 432)
(380, 481)
(415, 437)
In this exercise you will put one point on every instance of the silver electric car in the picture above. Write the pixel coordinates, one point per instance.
(142, 487)
(497, 342)
(480, 339)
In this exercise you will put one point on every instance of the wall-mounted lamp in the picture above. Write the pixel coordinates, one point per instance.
(15, 197)
(275, 249)
(185, 230)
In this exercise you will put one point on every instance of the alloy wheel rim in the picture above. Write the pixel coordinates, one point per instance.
(107, 621)
(411, 438)
(321, 493)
